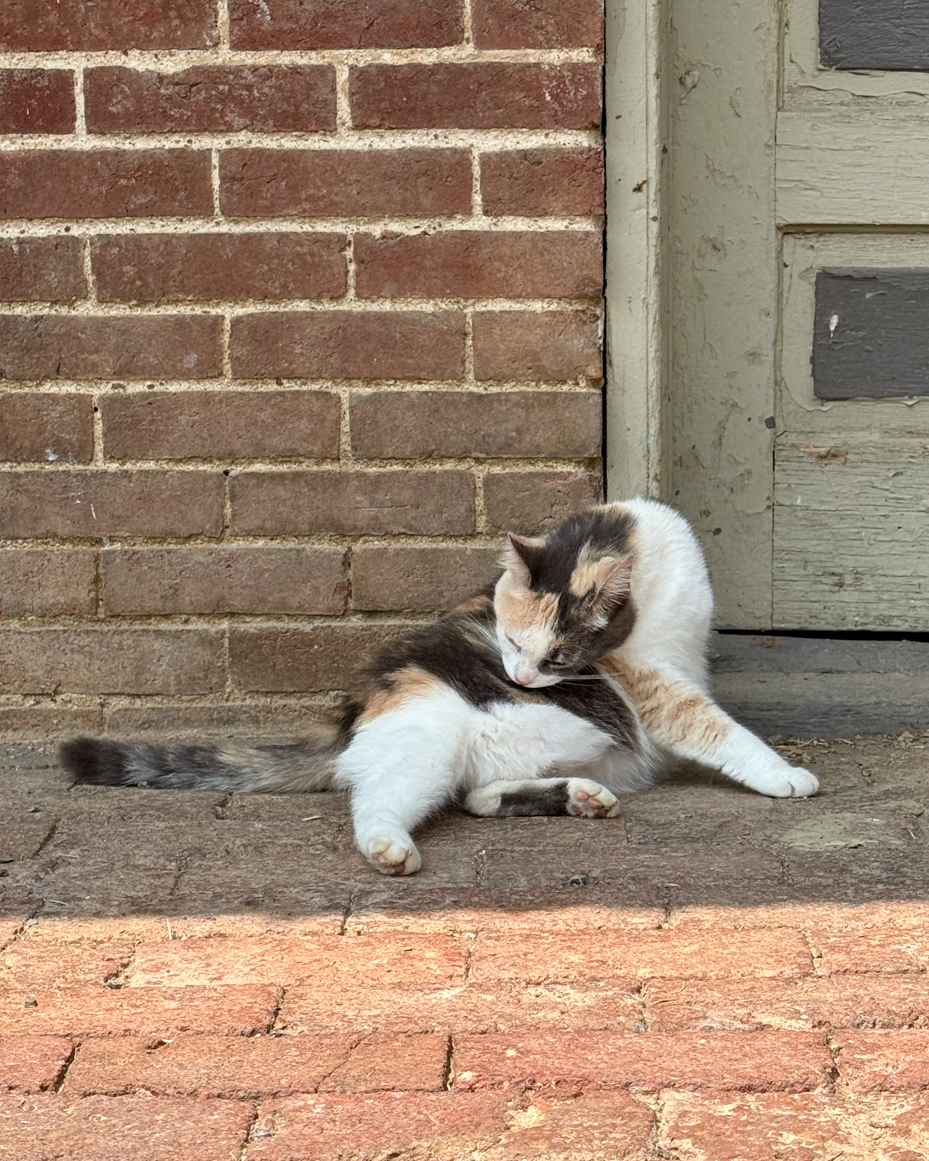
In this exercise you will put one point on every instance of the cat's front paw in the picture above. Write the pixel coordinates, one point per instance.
(394, 856)
(791, 782)
(587, 799)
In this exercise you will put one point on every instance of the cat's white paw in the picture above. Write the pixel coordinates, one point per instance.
(394, 856)
(587, 799)
(791, 782)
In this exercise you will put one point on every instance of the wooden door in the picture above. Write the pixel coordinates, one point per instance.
(797, 272)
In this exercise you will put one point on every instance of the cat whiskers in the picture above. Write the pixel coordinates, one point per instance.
(484, 632)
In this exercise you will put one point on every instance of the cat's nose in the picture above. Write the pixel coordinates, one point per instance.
(525, 675)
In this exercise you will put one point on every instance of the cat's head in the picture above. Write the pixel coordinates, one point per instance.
(561, 603)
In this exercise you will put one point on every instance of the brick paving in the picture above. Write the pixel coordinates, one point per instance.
(713, 976)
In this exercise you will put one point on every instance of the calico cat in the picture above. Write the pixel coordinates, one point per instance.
(579, 674)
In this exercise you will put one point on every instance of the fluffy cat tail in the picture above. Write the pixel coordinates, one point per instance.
(280, 769)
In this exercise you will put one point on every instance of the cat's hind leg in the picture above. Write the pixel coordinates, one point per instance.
(401, 767)
(581, 797)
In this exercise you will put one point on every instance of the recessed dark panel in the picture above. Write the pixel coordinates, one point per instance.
(871, 335)
(874, 34)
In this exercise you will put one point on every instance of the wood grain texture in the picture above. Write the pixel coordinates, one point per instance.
(871, 337)
(874, 34)
(851, 532)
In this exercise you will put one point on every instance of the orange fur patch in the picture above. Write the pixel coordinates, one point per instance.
(405, 685)
(673, 712)
(527, 610)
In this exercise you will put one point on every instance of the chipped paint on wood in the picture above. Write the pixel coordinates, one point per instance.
(874, 34)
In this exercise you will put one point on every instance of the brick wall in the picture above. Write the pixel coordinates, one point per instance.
(300, 312)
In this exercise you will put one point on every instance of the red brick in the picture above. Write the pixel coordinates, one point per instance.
(286, 660)
(105, 183)
(478, 264)
(441, 1126)
(530, 502)
(366, 503)
(221, 425)
(42, 723)
(344, 182)
(56, 346)
(100, 659)
(340, 344)
(50, 25)
(205, 267)
(694, 954)
(38, 963)
(428, 424)
(594, 1124)
(96, 504)
(46, 427)
(385, 578)
(808, 1003)
(761, 1062)
(41, 270)
(160, 581)
(297, 25)
(476, 96)
(873, 951)
(231, 1010)
(211, 99)
(535, 182)
(356, 960)
(36, 100)
(379, 1063)
(537, 346)
(464, 1008)
(538, 24)
(883, 1061)
(31, 1063)
(52, 1127)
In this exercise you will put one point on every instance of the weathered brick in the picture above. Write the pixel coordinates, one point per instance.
(895, 1061)
(46, 427)
(535, 182)
(157, 581)
(478, 264)
(808, 1003)
(57, 346)
(52, 1126)
(890, 950)
(344, 182)
(464, 1008)
(538, 24)
(205, 267)
(791, 1127)
(105, 183)
(366, 503)
(530, 502)
(385, 578)
(211, 99)
(761, 1062)
(89, 1010)
(355, 960)
(254, 1066)
(46, 721)
(548, 345)
(695, 954)
(70, 25)
(221, 424)
(41, 963)
(47, 582)
(31, 1063)
(441, 1126)
(340, 344)
(428, 424)
(99, 659)
(283, 717)
(296, 25)
(36, 100)
(41, 270)
(285, 660)
(593, 1124)
(476, 96)
(96, 504)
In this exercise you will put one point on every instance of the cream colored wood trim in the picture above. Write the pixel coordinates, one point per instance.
(862, 168)
(634, 292)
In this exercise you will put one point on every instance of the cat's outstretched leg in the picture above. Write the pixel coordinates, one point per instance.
(683, 719)
(580, 797)
(401, 767)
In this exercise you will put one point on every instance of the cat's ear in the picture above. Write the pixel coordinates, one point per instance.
(521, 555)
(612, 579)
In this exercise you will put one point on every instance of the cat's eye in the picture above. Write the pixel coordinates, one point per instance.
(512, 642)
